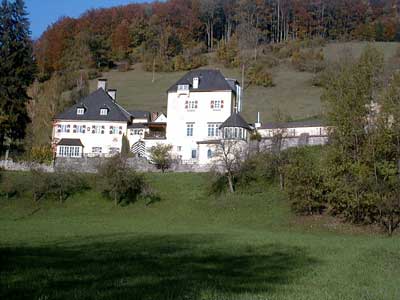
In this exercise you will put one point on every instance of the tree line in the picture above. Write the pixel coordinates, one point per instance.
(356, 176)
(154, 32)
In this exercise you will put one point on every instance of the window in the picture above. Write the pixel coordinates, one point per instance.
(97, 150)
(179, 148)
(103, 112)
(114, 130)
(189, 129)
(191, 104)
(113, 150)
(217, 104)
(98, 129)
(69, 151)
(209, 153)
(213, 129)
(63, 128)
(194, 154)
(79, 129)
(136, 131)
(80, 111)
(183, 87)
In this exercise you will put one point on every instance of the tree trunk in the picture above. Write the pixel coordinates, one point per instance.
(230, 182)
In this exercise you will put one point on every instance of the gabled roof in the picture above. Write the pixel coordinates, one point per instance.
(70, 142)
(209, 80)
(235, 120)
(296, 124)
(92, 104)
(137, 126)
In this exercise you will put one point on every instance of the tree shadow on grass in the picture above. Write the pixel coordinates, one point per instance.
(149, 267)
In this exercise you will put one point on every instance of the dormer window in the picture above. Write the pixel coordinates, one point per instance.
(103, 111)
(80, 111)
(183, 87)
(196, 82)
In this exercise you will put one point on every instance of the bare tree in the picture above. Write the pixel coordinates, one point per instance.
(229, 154)
(208, 10)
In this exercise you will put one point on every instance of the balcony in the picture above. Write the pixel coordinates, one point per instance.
(155, 135)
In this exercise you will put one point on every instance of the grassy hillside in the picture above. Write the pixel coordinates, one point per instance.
(188, 246)
(293, 93)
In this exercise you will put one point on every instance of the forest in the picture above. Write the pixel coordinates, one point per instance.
(172, 35)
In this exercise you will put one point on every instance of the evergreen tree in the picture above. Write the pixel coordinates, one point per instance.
(17, 69)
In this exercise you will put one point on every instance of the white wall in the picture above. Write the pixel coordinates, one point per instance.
(178, 116)
(89, 140)
(295, 131)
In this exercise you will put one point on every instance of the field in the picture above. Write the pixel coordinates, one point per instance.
(293, 92)
(189, 246)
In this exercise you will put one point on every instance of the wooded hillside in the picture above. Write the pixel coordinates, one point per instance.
(177, 31)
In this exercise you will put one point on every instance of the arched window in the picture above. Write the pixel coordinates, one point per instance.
(209, 153)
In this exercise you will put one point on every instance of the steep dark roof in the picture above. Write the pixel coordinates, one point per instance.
(70, 142)
(235, 120)
(296, 124)
(139, 114)
(137, 125)
(92, 104)
(209, 80)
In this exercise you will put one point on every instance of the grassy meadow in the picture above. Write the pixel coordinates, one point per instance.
(293, 92)
(189, 246)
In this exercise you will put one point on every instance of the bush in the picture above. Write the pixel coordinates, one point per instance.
(119, 183)
(160, 155)
(40, 154)
(228, 54)
(311, 60)
(217, 183)
(59, 185)
(160, 64)
(304, 182)
(259, 76)
(189, 62)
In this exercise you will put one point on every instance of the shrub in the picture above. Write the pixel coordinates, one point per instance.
(160, 64)
(189, 62)
(59, 185)
(119, 183)
(259, 76)
(304, 182)
(160, 155)
(40, 154)
(228, 54)
(217, 183)
(311, 60)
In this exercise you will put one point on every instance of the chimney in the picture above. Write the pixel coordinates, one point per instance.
(258, 123)
(112, 93)
(102, 83)
(196, 82)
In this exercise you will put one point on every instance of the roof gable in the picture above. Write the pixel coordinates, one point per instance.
(209, 80)
(93, 103)
(235, 120)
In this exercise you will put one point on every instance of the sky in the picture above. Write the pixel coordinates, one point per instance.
(43, 13)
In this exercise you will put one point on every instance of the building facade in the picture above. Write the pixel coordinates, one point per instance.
(203, 112)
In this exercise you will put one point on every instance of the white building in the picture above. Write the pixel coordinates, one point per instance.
(198, 104)
(203, 110)
(298, 133)
(95, 126)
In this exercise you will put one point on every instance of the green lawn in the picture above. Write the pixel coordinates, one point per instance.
(293, 91)
(188, 246)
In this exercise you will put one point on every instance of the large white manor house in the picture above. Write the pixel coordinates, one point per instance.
(203, 109)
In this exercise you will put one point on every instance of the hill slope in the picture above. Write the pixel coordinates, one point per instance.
(293, 91)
